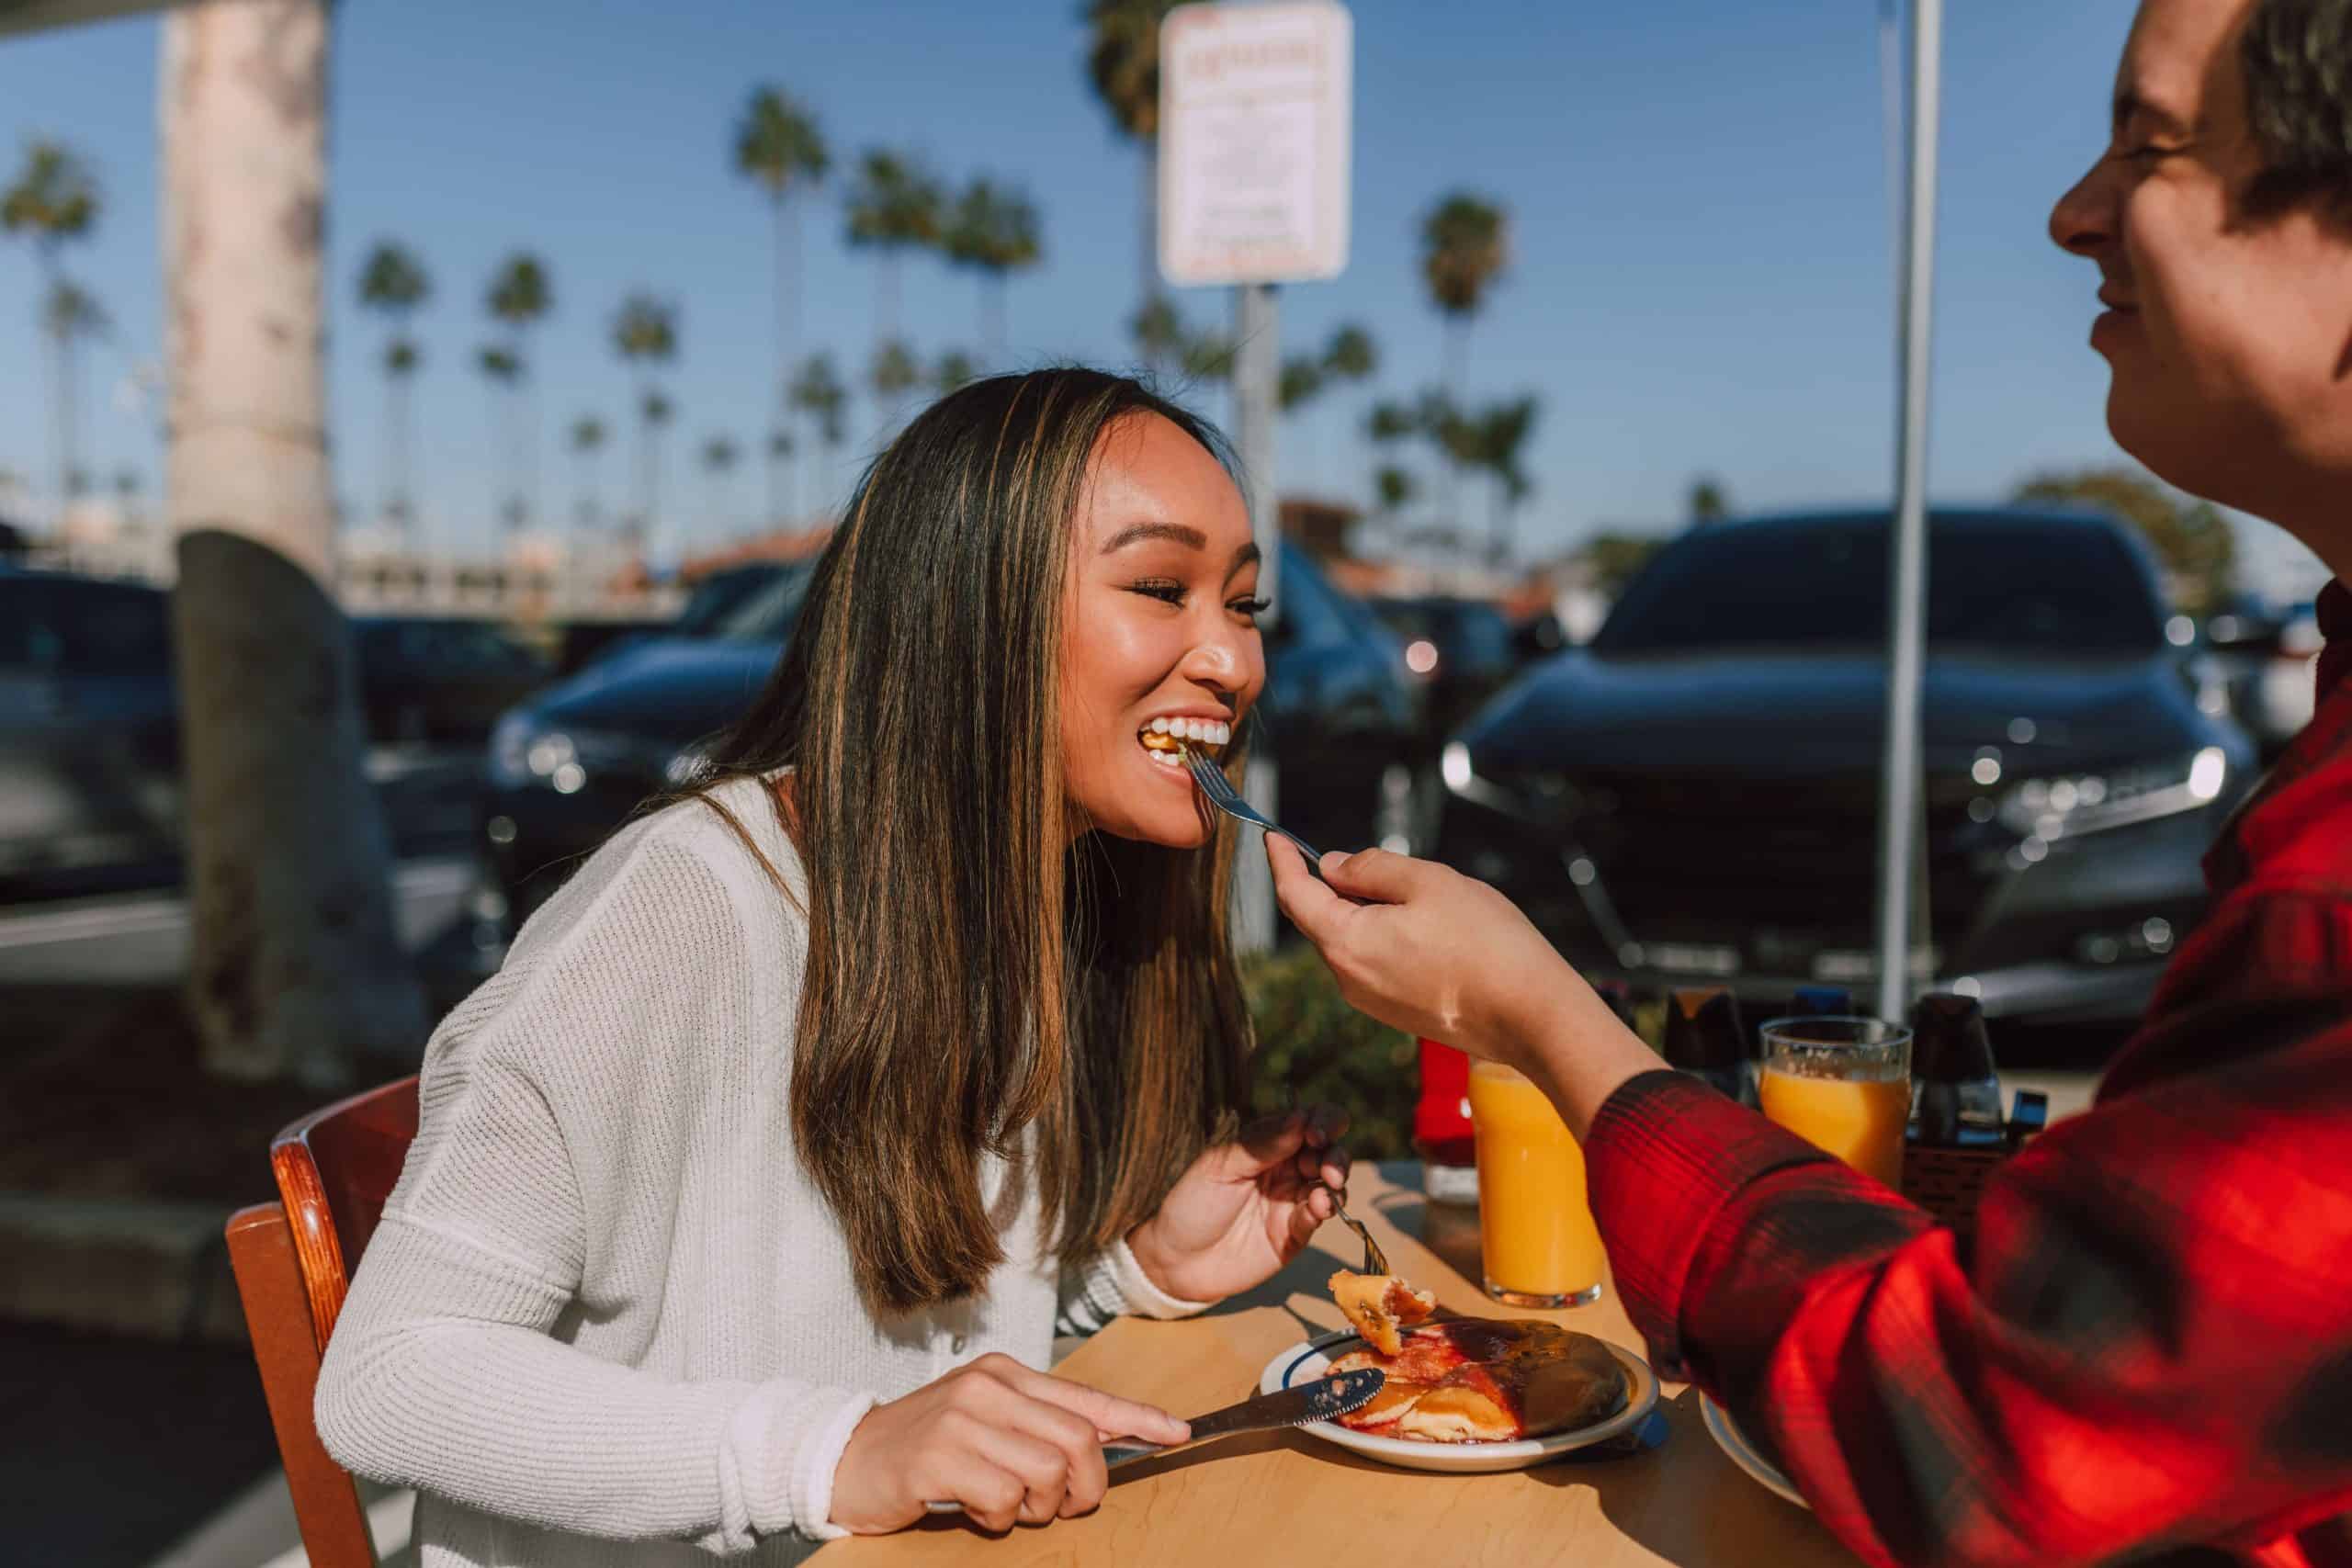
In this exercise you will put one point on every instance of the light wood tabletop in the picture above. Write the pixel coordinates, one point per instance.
(1288, 1497)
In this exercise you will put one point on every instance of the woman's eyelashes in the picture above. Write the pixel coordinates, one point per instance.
(1171, 592)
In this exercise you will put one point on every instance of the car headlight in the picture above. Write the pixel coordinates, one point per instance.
(523, 752)
(1532, 797)
(2092, 803)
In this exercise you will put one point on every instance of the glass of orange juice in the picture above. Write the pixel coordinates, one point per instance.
(1536, 1239)
(1843, 1085)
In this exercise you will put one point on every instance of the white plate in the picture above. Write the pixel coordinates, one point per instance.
(1306, 1362)
(1733, 1441)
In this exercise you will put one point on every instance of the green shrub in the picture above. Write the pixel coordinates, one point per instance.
(1313, 1046)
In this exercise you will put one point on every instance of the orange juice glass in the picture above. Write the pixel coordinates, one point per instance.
(1536, 1239)
(1843, 1085)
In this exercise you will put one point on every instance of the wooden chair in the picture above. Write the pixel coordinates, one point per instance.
(293, 1260)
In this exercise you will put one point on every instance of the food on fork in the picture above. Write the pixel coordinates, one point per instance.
(1475, 1380)
(1379, 1305)
(1165, 738)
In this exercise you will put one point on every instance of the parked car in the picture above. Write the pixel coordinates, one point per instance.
(437, 678)
(713, 600)
(569, 765)
(1693, 796)
(1463, 649)
(2267, 659)
(90, 792)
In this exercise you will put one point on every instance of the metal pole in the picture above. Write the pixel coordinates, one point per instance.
(1899, 799)
(1256, 376)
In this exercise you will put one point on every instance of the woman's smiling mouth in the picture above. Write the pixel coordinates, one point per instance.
(1165, 740)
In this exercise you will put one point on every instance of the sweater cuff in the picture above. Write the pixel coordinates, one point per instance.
(1664, 1155)
(785, 1442)
(1117, 1282)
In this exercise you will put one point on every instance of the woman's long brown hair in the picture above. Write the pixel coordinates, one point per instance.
(970, 977)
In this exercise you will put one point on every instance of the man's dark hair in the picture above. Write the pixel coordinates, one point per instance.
(2297, 55)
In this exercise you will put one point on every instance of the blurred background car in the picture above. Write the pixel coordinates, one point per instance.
(89, 736)
(2267, 657)
(441, 678)
(713, 600)
(1463, 649)
(1342, 714)
(1693, 796)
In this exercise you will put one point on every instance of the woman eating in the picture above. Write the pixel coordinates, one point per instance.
(750, 1194)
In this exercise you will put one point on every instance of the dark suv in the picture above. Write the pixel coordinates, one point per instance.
(1694, 794)
(565, 768)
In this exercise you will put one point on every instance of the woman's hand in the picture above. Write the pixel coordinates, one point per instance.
(1443, 956)
(1012, 1445)
(1244, 1208)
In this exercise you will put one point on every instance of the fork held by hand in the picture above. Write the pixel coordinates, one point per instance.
(1226, 798)
(1374, 1261)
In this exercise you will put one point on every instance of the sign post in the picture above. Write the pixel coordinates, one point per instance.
(1255, 112)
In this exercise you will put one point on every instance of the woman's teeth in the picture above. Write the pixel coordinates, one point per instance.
(1164, 740)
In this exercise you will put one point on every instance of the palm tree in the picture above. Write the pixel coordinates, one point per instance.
(1123, 61)
(780, 447)
(69, 315)
(816, 393)
(394, 283)
(53, 200)
(779, 145)
(894, 373)
(954, 369)
(1159, 330)
(646, 333)
(993, 232)
(588, 436)
(1498, 436)
(1710, 502)
(893, 207)
(500, 367)
(520, 298)
(719, 455)
(1465, 245)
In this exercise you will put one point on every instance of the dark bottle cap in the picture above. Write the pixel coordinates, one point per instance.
(1822, 1001)
(1703, 1032)
(1948, 1043)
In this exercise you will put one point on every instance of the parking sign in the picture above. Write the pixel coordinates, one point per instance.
(1255, 111)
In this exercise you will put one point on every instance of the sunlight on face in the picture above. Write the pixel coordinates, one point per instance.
(1161, 630)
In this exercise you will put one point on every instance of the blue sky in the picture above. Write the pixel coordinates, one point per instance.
(1702, 279)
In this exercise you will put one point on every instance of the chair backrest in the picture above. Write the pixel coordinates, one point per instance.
(293, 1261)
(334, 1168)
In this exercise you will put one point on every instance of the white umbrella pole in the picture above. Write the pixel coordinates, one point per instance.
(1899, 799)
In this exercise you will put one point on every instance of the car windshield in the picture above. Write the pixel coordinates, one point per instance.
(2007, 584)
(768, 616)
(717, 598)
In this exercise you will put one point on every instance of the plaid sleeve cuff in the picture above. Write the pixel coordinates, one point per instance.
(1662, 1158)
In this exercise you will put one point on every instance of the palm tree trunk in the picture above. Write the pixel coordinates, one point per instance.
(885, 298)
(527, 403)
(295, 967)
(1457, 359)
(1148, 257)
(395, 439)
(787, 277)
(775, 491)
(992, 288)
(69, 424)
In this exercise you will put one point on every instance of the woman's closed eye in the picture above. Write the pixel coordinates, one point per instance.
(1170, 592)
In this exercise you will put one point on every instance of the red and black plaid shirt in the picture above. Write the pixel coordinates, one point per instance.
(2150, 1350)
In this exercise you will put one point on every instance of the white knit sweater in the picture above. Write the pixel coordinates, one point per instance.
(607, 1320)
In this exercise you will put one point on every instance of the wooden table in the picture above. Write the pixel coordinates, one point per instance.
(1288, 1498)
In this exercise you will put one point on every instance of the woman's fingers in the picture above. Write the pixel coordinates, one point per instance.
(1112, 1416)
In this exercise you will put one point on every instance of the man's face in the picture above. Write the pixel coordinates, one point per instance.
(2228, 337)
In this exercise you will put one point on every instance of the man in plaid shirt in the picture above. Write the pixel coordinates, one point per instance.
(2149, 1353)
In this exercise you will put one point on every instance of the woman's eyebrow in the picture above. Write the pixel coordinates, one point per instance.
(1174, 533)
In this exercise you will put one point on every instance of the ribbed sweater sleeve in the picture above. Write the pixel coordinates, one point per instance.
(446, 1370)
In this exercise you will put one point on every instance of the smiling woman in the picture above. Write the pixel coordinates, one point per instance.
(749, 1196)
